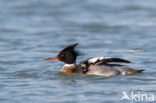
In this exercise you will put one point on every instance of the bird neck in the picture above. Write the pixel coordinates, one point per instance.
(68, 68)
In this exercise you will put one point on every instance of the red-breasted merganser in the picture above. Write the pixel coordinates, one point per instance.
(93, 66)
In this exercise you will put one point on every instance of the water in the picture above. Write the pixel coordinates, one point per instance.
(31, 30)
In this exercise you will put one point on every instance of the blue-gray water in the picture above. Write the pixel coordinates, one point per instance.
(31, 30)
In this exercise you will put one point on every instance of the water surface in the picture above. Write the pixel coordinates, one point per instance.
(31, 30)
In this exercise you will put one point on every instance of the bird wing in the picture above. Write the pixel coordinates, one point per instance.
(83, 66)
(99, 60)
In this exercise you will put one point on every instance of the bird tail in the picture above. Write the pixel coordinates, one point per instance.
(140, 71)
(136, 72)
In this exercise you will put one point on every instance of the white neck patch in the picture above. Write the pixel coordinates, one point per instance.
(69, 65)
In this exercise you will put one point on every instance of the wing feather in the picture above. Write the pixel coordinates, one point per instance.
(99, 60)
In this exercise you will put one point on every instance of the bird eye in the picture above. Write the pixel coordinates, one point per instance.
(62, 55)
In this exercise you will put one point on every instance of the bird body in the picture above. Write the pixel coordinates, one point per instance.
(93, 66)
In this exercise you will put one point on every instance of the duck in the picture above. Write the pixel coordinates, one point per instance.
(106, 66)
